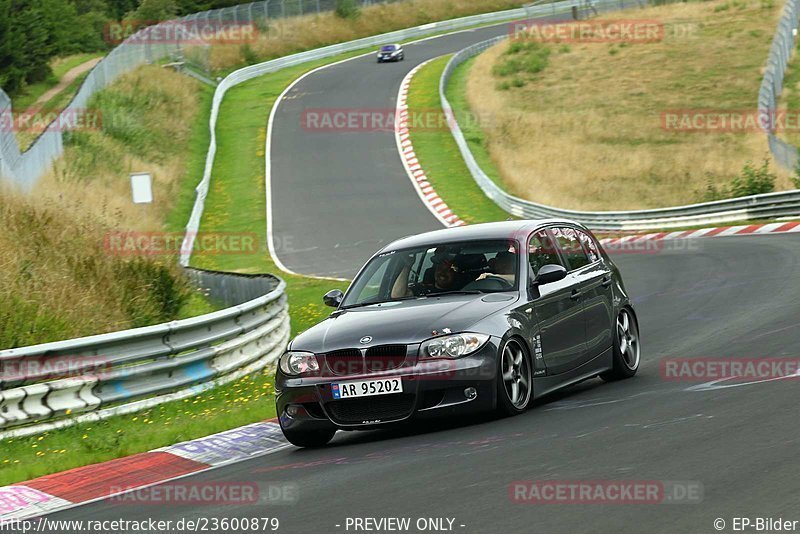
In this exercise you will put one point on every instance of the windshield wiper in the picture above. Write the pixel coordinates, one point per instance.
(413, 297)
(364, 304)
(456, 292)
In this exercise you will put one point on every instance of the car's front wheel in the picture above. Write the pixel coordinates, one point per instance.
(626, 348)
(514, 378)
(308, 438)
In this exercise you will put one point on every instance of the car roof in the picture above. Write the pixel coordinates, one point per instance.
(494, 230)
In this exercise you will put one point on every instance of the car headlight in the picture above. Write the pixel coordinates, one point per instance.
(295, 363)
(453, 346)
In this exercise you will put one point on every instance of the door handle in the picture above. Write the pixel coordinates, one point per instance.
(606, 281)
(575, 294)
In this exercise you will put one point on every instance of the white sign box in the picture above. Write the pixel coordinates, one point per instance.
(142, 187)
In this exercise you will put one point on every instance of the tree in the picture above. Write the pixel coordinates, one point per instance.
(347, 9)
(117, 9)
(31, 23)
(155, 10)
(12, 75)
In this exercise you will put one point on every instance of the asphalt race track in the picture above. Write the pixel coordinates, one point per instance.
(725, 297)
(715, 297)
(340, 196)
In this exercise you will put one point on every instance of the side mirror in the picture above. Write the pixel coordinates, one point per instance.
(333, 298)
(550, 273)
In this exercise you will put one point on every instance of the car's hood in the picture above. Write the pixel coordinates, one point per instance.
(401, 322)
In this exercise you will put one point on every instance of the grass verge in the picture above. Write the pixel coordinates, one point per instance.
(219, 409)
(237, 199)
(58, 277)
(238, 181)
(588, 125)
(437, 150)
(241, 402)
(443, 164)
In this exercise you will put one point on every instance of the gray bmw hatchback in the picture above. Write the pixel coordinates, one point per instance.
(476, 318)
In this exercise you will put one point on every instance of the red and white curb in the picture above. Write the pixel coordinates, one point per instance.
(722, 231)
(91, 483)
(416, 174)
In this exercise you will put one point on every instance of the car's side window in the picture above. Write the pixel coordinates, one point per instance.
(570, 245)
(589, 245)
(542, 251)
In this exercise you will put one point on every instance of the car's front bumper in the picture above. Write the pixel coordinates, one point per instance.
(430, 388)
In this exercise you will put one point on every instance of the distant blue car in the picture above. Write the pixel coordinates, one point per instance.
(392, 52)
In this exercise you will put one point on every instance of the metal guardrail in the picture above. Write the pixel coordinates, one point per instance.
(772, 84)
(121, 372)
(253, 71)
(770, 205)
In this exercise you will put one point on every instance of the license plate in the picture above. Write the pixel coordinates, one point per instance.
(367, 388)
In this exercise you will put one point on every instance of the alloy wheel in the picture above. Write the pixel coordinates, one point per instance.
(516, 374)
(628, 337)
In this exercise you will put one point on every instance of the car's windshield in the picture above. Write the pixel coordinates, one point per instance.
(389, 48)
(484, 266)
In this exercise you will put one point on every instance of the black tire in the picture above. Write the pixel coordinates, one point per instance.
(626, 362)
(309, 438)
(506, 406)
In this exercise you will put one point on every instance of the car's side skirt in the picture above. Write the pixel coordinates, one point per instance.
(547, 384)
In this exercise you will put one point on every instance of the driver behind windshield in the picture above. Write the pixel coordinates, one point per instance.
(442, 276)
(445, 275)
(501, 266)
(460, 267)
